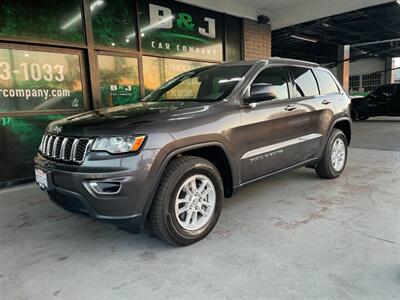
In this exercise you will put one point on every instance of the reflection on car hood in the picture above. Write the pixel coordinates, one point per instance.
(126, 119)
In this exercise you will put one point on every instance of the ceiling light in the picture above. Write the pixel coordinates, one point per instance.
(304, 38)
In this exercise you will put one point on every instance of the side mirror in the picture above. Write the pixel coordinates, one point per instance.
(261, 92)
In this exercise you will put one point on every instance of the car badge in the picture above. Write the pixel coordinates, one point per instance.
(57, 129)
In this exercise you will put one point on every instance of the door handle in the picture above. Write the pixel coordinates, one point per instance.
(290, 107)
(326, 102)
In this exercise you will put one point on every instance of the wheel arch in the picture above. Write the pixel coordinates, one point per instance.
(344, 124)
(215, 152)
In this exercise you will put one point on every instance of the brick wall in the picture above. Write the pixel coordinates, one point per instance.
(256, 40)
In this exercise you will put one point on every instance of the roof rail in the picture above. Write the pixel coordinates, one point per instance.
(294, 61)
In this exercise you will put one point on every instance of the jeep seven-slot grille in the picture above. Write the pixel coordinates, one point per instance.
(66, 149)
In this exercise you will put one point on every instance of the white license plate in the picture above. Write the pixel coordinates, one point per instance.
(41, 178)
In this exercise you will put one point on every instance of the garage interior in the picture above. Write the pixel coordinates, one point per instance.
(290, 236)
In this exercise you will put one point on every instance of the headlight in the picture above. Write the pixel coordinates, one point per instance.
(119, 144)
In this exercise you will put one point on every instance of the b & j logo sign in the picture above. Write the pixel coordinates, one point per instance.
(171, 28)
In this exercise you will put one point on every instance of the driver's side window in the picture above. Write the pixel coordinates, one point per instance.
(275, 77)
(384, 92)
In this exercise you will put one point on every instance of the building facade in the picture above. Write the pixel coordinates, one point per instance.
(59, 58)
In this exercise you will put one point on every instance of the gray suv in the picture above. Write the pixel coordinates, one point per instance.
(171, 158)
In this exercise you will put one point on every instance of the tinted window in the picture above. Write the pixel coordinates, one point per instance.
(119, 80)
(171, 28)
(326, 82)
(114, 23)
(274, 76)
(157, 71)
(233, 39)
(201, 85)
(39, 81)
(305, 84)
(42, 19)
(385, 91)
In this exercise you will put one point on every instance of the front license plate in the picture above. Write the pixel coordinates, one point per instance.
(41, 179)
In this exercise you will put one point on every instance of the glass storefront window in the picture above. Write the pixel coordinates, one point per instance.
(233, 39)
(113, 23)
(119, 80)
(42, 19)
(159, 70)
(20, 138)
(173, 29)
(39, 81)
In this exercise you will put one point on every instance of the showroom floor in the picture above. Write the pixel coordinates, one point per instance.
(290, 236)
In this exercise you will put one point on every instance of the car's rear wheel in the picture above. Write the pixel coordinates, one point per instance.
(362, 118)
(334, 158)
(354, 114)
(188, 201)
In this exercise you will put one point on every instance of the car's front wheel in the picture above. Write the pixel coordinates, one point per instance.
(334, 157)
(188, 201)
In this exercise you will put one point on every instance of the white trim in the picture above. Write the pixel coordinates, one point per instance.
(274, 147)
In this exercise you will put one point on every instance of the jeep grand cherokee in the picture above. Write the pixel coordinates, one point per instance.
(172, 157)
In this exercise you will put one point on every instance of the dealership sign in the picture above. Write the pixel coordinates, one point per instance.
(175, 29)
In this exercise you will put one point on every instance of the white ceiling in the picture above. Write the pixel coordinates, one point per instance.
(284, 13)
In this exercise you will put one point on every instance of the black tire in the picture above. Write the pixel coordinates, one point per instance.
(325, 168)
(162, 217)
(354, 114)
(362, 118)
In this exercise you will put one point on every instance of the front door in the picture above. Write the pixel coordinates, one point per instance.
(271, 130)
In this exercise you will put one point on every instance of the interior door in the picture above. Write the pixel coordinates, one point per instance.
(270, 129)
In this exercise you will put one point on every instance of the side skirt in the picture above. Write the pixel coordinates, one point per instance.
(308, 162)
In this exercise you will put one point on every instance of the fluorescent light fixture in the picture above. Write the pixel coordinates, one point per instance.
(133, 34)
(79, 16)
(303, 38)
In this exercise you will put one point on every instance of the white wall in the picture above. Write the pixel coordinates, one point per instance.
(365, 66)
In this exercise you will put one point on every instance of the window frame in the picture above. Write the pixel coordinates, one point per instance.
(97, 102)
(315, 72)
(83, 68)
(246, 92)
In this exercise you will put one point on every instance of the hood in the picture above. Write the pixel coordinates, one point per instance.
(125, 120)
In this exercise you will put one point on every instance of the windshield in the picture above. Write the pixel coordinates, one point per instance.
(207, 84)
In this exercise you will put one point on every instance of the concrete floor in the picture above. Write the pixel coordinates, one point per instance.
(290, 236)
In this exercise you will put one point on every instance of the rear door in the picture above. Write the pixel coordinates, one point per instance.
(317, 111)
(271, 129)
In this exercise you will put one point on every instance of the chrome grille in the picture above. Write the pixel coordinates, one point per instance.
(66, 149)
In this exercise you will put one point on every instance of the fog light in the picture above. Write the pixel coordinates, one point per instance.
(106, 187)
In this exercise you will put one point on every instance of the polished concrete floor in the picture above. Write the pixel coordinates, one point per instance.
(293, 236)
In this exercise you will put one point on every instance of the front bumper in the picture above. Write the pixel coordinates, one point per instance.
(70, 186)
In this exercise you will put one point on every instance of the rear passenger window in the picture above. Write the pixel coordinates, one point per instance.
(275, 76)
(326, 82)
(305, 84)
